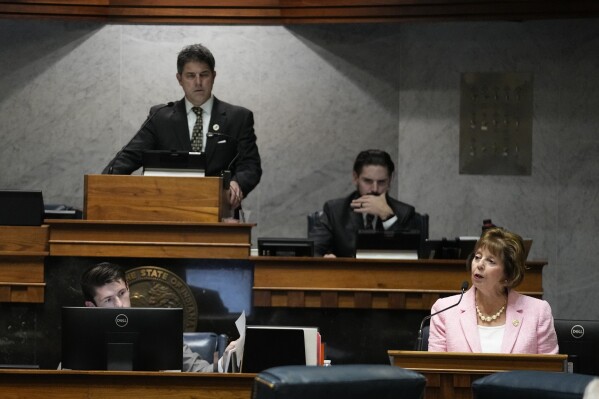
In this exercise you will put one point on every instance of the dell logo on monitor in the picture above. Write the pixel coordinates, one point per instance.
(121, 320)
(577, 331)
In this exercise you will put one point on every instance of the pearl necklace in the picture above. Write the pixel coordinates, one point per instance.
(489, 318)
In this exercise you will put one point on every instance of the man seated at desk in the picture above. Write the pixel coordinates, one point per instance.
(369, 207)
(105, 285)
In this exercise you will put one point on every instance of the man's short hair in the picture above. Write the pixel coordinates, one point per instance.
(373, 157)
(197, 53)
(98, 276)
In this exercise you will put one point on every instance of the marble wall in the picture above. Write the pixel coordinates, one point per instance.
(73, 93)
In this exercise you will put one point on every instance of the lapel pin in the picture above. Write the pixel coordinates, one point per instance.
(515, 323)
(215, 127)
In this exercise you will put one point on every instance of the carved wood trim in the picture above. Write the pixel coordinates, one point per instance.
(149, 239)
(365, 284)
(284, 12)
(354, 299)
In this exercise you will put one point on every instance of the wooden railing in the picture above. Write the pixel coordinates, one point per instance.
(283, 12)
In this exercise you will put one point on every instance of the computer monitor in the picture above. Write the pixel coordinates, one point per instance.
(169, 163)
(137, 339)
(285, 247)
(267, 347)
(388, 244)
(21, 208)
(579, 339)
(459, 248)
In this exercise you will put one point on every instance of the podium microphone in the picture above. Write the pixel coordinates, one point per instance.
(226, 136)
(148, 119)
(419, 342)
(226, 174)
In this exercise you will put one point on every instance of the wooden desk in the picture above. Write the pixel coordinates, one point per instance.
(23, 249)
(44, 384)
(278, 281)
(22, 253)
(149, 239)
(450, 375)
(365, 283)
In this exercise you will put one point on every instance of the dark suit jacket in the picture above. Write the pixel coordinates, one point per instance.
(168, 130)
(339, 224)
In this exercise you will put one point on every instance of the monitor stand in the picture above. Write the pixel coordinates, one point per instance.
(119, 356)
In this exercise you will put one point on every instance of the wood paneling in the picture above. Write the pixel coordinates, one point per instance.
(155, 198)
(365, 284)
(44, 384)
(278, 281)
(22, 253)
(296, 11)
(450, 375)
(150, 239)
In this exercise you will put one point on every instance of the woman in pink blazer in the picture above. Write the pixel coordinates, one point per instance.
(492, 317)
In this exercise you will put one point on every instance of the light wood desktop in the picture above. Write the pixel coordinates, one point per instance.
(155, 198)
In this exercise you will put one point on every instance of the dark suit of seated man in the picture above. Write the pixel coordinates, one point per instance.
(199, 122)
(369, 207)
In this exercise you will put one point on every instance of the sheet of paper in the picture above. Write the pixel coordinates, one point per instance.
(238, 351)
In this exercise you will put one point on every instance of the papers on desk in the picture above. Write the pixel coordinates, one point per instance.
(174, 173)
(386, 254)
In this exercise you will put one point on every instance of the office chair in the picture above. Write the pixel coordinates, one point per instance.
(206, 343)
(313, 220)
(526, 384)
(355, 381)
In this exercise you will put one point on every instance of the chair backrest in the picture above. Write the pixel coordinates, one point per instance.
(313, 221)
(526, 384)
(356, 381)
(422, 223)
(206, 343)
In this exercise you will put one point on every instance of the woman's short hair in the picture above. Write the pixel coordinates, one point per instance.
(509, 247)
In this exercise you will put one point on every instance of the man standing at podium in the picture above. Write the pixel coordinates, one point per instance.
(199, 122)
(368, 207)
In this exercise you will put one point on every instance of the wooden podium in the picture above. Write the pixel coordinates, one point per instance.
(155, 198)
(152, 217)
(450, 375)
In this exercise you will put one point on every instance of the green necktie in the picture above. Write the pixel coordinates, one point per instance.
(197, 137)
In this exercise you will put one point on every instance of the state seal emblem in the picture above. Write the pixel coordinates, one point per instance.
(156, 287)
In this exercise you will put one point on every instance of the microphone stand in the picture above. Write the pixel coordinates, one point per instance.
(148, 119)
(226, 174)
(419, 340)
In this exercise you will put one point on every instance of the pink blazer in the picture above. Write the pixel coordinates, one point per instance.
(528, 327)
